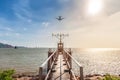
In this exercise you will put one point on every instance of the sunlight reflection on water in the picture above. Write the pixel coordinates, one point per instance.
(98, 60)
(94, 61)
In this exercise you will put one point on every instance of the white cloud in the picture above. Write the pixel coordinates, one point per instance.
(45, 24)
(101, 30)
(24, 29)
(6, 28)
(22, 10)
(17, 34)
(104, 33)
(29, 20)
(4, 41)
(19, 16)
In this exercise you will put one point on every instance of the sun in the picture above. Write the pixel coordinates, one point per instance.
(94, 6)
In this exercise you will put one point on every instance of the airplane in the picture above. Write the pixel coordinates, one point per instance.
(60, 18)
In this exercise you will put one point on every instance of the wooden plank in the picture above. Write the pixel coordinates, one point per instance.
(60, 69)
(59, 74)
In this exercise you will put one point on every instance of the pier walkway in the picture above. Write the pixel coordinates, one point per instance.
(58, 65)
(60, 68)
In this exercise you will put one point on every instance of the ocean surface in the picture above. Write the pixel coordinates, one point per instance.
(94, 60)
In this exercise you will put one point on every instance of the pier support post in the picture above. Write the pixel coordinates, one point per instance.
(81, 73)
(71, 75)
(40, 73)
(49, 62)
(70, 60)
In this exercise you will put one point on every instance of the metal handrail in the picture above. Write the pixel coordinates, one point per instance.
(68, 64)
(74, 59)
(48, 58)
(50, 69)
(71, 70)
(80, 66)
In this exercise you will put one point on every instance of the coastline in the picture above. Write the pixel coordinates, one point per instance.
(25, 76)
(35, 76)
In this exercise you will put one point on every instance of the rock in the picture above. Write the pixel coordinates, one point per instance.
(14, 76)
(104, 75)
(98, 78)
(87, 79)
(97, 75)
(34, 78)
(89, 75)
(17, 76)
(23, 75)
(37, 76)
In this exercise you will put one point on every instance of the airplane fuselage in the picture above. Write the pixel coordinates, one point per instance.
(60, 18)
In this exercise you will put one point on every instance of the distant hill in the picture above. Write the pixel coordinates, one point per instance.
(2, 45)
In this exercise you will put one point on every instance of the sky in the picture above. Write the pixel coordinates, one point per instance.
(89, 23)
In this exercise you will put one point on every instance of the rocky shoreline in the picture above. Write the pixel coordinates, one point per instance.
(25, 76)
(31, 76)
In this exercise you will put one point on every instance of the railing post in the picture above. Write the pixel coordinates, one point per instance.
(70, 62)
(71, 75)
(40, 73)
(81, 73)
(70, 58)
(49, 62)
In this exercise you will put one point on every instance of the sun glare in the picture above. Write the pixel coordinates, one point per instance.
(94, 6)
(102, 49)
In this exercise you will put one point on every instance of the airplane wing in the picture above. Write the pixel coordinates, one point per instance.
(57, 18)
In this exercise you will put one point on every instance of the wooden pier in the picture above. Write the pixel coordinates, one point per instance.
(58, 65)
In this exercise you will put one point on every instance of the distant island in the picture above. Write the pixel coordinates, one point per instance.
(2, 45)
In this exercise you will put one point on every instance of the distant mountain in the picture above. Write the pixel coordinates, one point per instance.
(2, 45)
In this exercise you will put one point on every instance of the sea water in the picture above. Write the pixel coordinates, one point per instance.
(94, 61)
(22, 59)
(98, 60)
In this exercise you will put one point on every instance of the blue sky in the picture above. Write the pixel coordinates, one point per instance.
(22, 21)
(31, 23)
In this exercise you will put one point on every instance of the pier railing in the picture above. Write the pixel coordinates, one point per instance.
(69, 60)
(46, 68)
